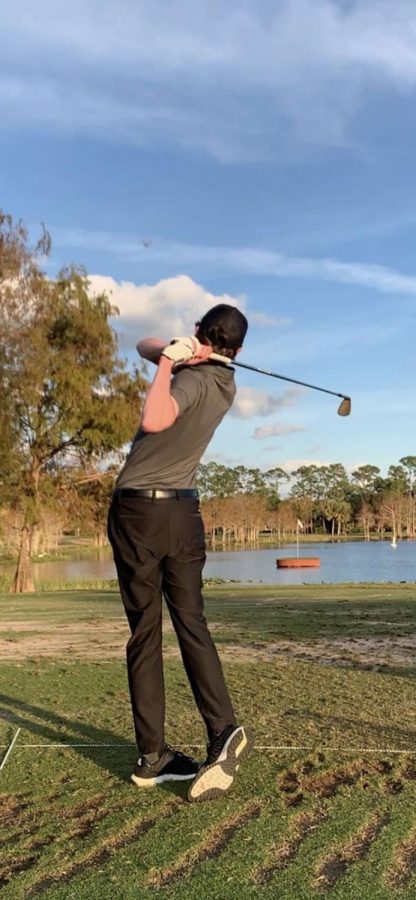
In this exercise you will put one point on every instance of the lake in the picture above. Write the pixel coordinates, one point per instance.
(340, 561)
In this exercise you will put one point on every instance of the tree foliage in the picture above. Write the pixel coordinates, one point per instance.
(239, 503)
(66, 396)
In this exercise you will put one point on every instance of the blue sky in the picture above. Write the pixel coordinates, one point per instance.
(267, 150)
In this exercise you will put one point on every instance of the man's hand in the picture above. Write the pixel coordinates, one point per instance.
(182, 350)
(203, 354)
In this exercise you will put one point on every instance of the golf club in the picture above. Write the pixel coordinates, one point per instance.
(344, 408)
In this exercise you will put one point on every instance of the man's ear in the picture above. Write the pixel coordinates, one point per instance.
(238, 351)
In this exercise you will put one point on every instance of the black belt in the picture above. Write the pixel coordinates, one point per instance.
(168, 494)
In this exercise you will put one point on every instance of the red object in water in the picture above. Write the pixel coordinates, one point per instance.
(298, 562)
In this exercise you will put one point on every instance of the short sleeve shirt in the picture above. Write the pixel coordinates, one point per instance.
(170, 458)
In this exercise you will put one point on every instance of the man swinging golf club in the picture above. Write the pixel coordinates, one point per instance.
(157, 535)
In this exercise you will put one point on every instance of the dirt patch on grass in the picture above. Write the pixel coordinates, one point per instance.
(79, 640)
(392, 786)
(98, 639)
(86, 823)
(215, 843)
(293, 799)
(100, 854)
(365, 653)
(86, 806)
(326, 784)
(301, 779)
(407, 769)
(336, 864)
(15, 867)
(40, 843)
(27, 830)
(282, 854)
(288, 781)
(11, 805)
(404, 863)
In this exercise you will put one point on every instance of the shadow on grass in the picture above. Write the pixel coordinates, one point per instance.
(389, 733)
(58, 729)
(118, 761)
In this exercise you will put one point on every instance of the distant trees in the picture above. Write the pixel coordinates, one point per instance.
(394, 504)
(409, 464)
(217, 480)
(85, 494)
(319, 495)
(239, 503)
(66, 397)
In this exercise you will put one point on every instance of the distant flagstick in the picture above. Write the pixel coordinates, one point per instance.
(344, 408)
(299, 524)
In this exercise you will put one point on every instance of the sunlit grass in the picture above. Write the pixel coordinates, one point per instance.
(298, 824)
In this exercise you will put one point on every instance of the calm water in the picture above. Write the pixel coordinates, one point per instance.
(355, 561)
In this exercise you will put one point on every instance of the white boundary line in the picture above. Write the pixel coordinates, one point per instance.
(288, 747)
(10, 749)
(338, 749)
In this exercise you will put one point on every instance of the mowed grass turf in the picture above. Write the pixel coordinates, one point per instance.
(319, 667)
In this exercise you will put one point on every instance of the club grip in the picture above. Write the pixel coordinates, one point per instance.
(219, 358)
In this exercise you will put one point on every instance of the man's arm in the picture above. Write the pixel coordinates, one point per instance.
(151, 349)
(160, 409)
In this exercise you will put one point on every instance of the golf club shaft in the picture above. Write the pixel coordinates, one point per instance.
(274, 375)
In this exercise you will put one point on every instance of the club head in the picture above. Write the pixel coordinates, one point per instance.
(344, 408)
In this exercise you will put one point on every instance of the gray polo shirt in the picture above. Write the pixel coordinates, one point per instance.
(170, 458)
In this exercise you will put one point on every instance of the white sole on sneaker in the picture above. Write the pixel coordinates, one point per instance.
(211, 781)
(159, 779)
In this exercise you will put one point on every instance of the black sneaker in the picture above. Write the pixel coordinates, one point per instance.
(216, 774)
(172, 765)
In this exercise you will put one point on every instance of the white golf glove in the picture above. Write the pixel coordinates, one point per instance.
(181, 349)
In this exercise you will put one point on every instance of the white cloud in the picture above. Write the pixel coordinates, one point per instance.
(291, 465)
(210, 35)
(268, 262)
(251, 402)
(276, 430)
(164, 309)
(264, 320)
(193, 74)
(250, 260)
(167, 308)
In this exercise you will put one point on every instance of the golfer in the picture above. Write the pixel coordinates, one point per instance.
(157, 535)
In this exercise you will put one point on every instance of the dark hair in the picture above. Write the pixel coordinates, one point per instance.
(224, 327)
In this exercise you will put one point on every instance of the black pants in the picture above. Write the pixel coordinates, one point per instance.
(159, 548)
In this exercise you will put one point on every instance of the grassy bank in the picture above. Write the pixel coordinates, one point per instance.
(313, 666)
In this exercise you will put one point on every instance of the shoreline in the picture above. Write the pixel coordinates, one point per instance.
(236, 588)
(85, 549)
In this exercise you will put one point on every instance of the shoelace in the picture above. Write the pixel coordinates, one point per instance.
(167, 749)
(178, 753)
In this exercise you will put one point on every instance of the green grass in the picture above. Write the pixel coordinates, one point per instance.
(297, 825)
